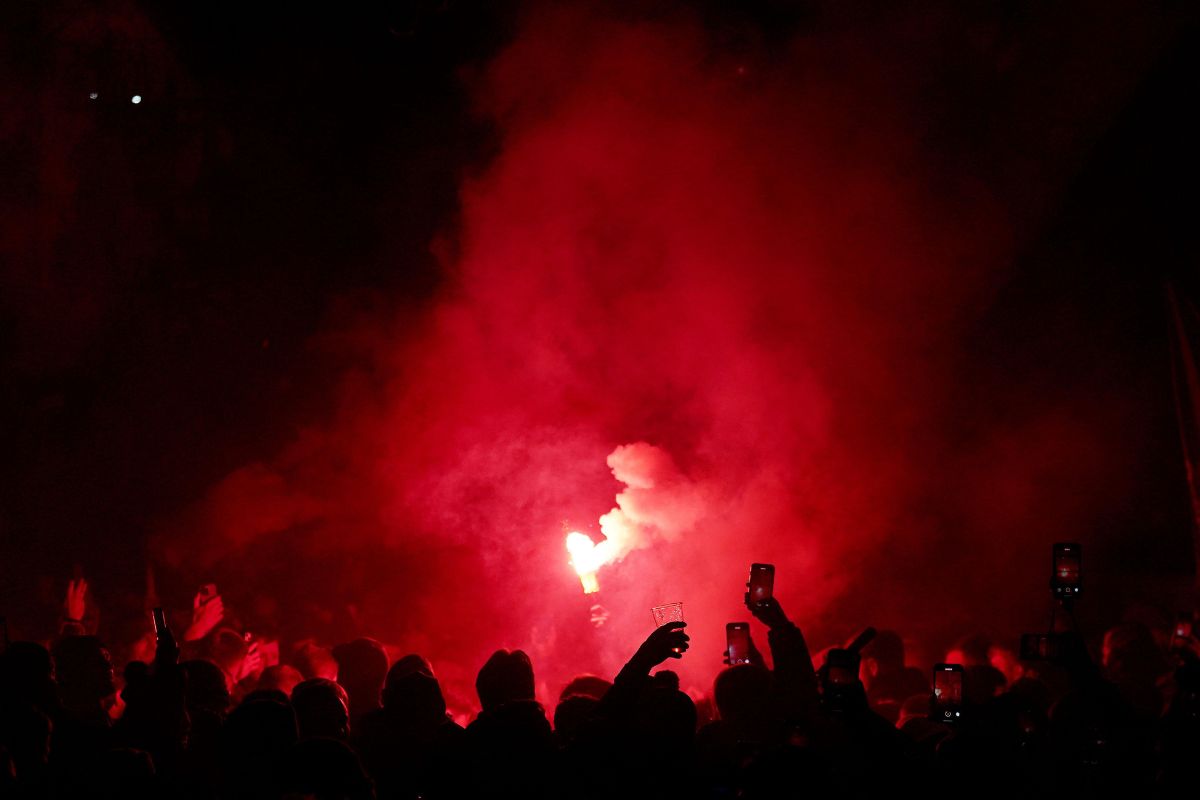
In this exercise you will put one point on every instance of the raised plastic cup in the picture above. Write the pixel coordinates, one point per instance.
(671, 612)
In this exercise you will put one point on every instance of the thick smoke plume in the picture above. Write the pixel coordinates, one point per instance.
(657, 503)
(736, 279)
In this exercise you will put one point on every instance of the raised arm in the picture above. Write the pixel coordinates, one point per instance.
(795, 680)
(669, 641)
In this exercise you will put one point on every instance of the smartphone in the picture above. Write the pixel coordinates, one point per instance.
(946, 705)
(1181, 632)
(737, 642)
(160, 623)
(762, 582)
(1067, 578)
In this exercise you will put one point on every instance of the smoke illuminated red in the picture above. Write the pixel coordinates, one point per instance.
(723, 303)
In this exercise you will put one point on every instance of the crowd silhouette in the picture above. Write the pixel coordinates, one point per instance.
(216, 715)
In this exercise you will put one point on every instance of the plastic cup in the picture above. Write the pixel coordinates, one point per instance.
(670, 612)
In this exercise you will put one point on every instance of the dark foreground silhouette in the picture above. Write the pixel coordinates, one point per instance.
(217, 716)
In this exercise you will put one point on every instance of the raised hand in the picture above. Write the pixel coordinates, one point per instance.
(207, 613)
(252, 664)
(75, 604)
(768, 612)
(669, 641)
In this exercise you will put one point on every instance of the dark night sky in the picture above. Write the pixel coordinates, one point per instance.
(287, 158)
(172, 271)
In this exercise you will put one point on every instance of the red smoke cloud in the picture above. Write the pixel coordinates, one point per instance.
(713, 304)
(657, 503)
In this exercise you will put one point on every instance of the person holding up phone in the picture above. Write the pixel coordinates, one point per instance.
(946, 702)
(155, 718)
(761, 586)
(795, 681)
(166, 650)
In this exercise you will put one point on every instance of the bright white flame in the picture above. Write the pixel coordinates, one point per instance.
(137, 98)
(93, 95)
(586, 558)
(583, 552)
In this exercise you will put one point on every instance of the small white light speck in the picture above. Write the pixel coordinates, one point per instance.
(93, 95)
(137, 98)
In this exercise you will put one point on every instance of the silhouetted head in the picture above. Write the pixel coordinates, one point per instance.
(322, 708)
(314, 661)
(841, 689)
(206, 689)
(587, 686)
(413, 697)
(254, 737)
(1029, 702)
(1007, 661)
(1129, 654)
(325, 769)
(667, 717)
(665, 679)
(362, 668)
(572, 714)
(972, 650)
(409, 664)
(84, 670)
(743, 693)
(264, 714)
(982, 682)
(507, 676)
(281, 677)
(274, 695)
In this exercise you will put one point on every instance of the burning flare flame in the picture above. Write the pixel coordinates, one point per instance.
(587, 557)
